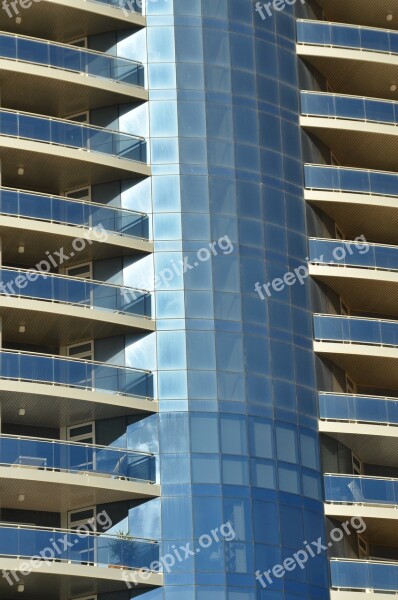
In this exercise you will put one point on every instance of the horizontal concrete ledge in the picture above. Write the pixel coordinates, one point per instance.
(350, 198)
(61, 76)
(353, 272)
(135, 489)
(74, 154)
(61, 569)
(358, 428)
(361, 510)
(363, 55)
(360, 595)
(353, 348)
(129, 404)
(342, 124)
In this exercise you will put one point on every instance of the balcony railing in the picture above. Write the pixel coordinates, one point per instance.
(344, 179)
(67, 211)
(353, 254)
(354, 489)
(364, 409)
(356, 330)
(319, 33)
(339, 106)
(75, 373)
(62, 132)
(78, 547)
(70, 58)
(372, 575)
(74, 290)
(73, 457)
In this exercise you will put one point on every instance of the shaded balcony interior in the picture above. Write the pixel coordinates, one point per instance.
(358, 12)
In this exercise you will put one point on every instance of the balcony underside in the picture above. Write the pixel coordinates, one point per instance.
(355, 72)
(374, 444)
(350, 141)
(368, 365)
(62, 492)
(59, 93)
(376, 217)
(66, 20)
(50, 405)
(61, 168)
(364, 290)
(360, 12)
(65, 581)
(35, 235)
(58, 324)
(381, 523)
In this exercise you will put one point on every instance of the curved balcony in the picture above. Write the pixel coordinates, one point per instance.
(64, 153)
(91, 474)
(356, 197)
(85, 309)
(365, 275)
(53, 74)
(52, 222)
(86, 557)
(367, 349)
(374, 575)
(67, 372)
(353, 59)
(350, 125)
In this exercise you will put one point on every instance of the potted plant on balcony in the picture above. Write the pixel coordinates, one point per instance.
(123, 550)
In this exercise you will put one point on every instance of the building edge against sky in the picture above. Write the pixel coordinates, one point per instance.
(207, 165)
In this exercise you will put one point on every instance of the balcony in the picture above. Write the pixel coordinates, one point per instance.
(64, 153)
(368, 425)
(365, 275)
(91, 475)
(376, 576)
(52, 222)
(366, 200)
(53, 73)
(86, 563)
(60, 310)
(354, 60)
(367, 349)
(350, 125)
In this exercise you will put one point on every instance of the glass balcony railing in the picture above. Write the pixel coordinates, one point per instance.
(66, 211)
(343, 179)
(320, 104)
(73, 290)
(70, 58)
(320, 33)
(356, 330)
(72, 135)
(353, 489)
(355, 254)
(364, 409)
(76, 458)
(77, 547)
(373, 575)
(75, 373)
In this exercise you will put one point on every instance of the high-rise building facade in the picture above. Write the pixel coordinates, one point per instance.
(198, 210)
